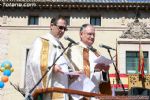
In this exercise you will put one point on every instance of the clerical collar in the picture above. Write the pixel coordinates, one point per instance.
(83, 45)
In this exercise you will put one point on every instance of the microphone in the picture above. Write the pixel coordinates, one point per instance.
(69, 39)
(92, 49)
(106, 47)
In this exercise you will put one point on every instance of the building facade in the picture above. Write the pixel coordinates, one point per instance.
(21, 21)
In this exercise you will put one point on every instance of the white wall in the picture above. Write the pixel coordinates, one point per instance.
(21, 36)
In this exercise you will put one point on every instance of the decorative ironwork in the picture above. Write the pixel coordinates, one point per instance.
(135, 81)
(136, 30)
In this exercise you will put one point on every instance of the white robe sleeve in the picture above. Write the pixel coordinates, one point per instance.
(32, 70)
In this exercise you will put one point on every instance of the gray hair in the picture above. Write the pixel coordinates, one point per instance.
(84, 26)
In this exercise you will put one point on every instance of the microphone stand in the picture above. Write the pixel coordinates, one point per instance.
(29, 96)
(118, 76)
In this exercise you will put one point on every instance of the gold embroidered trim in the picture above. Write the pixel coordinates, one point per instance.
(86, 62)
(44, 64)
(57, 96)
(44, 59)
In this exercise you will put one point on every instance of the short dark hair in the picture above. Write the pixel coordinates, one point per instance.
(55, 19)
(83, 27)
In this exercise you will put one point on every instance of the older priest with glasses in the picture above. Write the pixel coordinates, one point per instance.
(42, 54)
(83, 55)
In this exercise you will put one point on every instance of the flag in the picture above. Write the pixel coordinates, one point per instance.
(141, 61)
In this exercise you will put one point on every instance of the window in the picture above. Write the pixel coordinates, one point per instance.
(132, 59)
(33, 20)
(95, 20)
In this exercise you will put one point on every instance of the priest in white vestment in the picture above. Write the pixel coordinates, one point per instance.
(42, 54)
(77, 53)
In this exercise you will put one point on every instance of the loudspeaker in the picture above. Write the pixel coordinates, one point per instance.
(139, 91)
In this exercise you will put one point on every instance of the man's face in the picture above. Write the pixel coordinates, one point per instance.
(59, 29)
(88, 35)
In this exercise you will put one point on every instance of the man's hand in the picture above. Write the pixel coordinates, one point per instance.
(57, 68)
(72, 78)
(101, 67)
(76, 74)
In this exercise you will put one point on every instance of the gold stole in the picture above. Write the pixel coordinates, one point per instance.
(44, 59)
(86, 62)
(44, 64)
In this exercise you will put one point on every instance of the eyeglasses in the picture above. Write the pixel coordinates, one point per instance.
(62, 28)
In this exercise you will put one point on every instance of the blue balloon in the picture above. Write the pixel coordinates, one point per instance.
(7, 72)
(6, 62)
(1, 84)
(3, 65)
